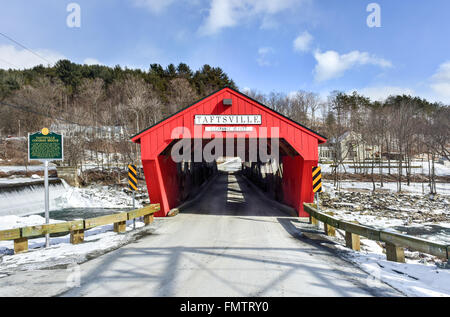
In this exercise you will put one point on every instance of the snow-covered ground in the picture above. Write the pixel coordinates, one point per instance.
(96, 196)
(414, 188)
(428, 216)
(440, 169)
(416, 277)
(61, 252)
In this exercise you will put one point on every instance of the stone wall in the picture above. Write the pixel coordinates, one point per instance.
(69, 174)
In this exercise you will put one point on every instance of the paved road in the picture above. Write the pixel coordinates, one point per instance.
(230, 243)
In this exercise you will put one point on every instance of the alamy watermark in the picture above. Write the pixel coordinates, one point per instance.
(260, 144)
(374, 18)
(74, 18)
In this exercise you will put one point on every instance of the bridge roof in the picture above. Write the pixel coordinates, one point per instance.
(218, 109)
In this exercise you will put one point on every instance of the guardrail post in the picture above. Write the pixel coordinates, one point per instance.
(313, 220)
(395, 253)
(148, 219)
(77, 236)
(329, 230)
(120, 227)
(20, 245)
(352, 241)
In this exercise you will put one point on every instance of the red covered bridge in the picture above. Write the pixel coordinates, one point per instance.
(232, 117)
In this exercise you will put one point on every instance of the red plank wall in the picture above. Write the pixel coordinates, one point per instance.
(160, 171)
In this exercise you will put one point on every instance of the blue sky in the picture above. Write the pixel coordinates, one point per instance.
(283, 45)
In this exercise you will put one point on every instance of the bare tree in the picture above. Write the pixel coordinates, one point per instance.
(181, 94)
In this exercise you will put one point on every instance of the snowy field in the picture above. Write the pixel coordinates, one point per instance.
(414, 188)
(439, 169)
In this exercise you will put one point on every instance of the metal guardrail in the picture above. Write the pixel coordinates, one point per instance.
(76, 228)
(395, 242)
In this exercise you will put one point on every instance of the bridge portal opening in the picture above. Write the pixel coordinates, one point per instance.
(258, 160)
(182, 152)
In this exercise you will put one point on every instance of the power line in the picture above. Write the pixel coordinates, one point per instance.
(23, 46)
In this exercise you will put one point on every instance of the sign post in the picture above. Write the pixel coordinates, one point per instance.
(133, 186)
(45, 147)
(47, 203)
(317, 183)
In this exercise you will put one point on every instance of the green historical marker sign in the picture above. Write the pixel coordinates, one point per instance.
(44, 146)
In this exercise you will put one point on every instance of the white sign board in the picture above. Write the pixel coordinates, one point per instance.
(228, 119)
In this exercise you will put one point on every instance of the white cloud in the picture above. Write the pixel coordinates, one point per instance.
(303, 42)
(331, 64)
(381, 93)
(229, 13)
(263, 54)
(92, 61)
(441, 82)
(154, 6)
(11, 57)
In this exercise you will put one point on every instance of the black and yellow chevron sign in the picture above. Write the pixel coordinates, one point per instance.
(132, 178)
(317, 179)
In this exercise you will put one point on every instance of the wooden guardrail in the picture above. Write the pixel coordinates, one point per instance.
(395, 242)
(76, 228)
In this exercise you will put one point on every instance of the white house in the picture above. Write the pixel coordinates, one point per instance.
(350, 146)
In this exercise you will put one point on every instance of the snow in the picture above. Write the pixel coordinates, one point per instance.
(96, 197)
(426, 217)
(415, 188)
(414, 278)
(12, 222)
(440, 169)
(31, 168)
(421, 275)
(61, 252)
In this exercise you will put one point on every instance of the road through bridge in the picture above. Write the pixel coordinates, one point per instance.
(230, 242)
